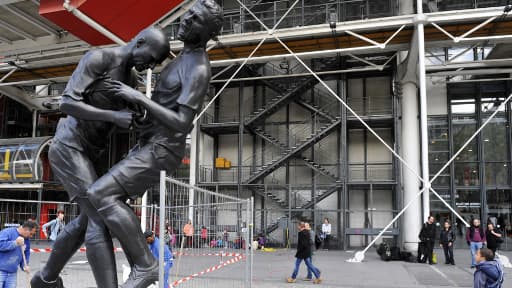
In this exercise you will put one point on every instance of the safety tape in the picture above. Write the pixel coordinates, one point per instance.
(211, 269)
(49, 250)
(83, 249)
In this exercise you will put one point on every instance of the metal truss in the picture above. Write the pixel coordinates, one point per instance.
(426, 182)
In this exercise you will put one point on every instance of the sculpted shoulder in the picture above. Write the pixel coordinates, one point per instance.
(99, 59)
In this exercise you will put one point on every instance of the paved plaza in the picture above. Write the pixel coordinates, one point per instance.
(271, 269)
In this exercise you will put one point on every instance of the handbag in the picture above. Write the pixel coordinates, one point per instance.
(434, 258)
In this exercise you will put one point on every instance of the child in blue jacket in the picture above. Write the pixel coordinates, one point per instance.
(489, 272)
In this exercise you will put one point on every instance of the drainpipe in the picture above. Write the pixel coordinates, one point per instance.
(420, 20)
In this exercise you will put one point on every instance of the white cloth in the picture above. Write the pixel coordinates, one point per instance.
(326, 228)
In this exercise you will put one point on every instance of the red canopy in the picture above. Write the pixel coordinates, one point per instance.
(124, 18)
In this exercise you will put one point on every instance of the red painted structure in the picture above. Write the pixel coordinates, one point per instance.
(124, 18)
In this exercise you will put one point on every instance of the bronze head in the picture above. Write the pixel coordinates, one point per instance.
(201, 23)
(150, 47)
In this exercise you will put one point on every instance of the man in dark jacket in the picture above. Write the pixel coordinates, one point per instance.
(304, 253)
(428, 237)
(489, 272)
(446, 240)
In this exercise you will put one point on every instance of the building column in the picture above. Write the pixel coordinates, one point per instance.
(410, 145)
(411, 219)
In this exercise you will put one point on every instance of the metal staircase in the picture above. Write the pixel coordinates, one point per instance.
(297, 88)
(290, 152)
(294, 214)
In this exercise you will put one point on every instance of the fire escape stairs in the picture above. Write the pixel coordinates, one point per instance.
(290, 152)
(296, 88)
(294, 214)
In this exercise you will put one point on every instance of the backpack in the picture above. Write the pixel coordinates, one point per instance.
(499, 282)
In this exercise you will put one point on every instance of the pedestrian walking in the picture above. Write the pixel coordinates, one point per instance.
(225, 239)
(494, 237)
(309, 277)
(188, 230)
(446, 240)
(304, 254)
(489, 272)
(53, 228)
(14, 247)
(154, 246)
(427, 237)
(204, 236)
(475, 237)
(326, 233)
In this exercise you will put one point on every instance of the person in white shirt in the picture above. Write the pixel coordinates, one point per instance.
(326, 233)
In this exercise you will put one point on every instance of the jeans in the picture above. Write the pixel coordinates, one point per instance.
(167, 267)
(448, 253)
(310, 273)
(474, 246)
(309, 264)
(7, 280)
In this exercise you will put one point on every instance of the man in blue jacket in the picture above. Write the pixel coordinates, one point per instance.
(489, 272)
(154, 246)
(12, 242)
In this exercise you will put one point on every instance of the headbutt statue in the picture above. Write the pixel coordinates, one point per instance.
(99, 97)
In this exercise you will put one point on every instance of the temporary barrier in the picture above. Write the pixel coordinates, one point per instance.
(207, 231)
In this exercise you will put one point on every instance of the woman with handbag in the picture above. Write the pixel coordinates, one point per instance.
(494, 237)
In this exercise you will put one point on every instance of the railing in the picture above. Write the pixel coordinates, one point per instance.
(303, 14)
(449, 5)
(208, 118)
(370, 172)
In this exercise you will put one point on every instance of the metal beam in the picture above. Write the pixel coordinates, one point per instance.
(387, 23)
(471, 64)
(5, 40)
(5, 2)
(16, 30)
(8, 74)
(22, 97)
(36, 81)
(34, 21)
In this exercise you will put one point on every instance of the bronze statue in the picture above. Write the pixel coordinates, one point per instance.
(177, 98)
(76, 152)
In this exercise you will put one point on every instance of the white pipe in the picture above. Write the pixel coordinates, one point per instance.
(8, 74)
(423, 112)
(377, 67)
(143, 213)
(89, 21)
(410, 151)
(161, 228)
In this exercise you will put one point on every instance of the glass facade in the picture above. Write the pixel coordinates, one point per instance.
(478, 182)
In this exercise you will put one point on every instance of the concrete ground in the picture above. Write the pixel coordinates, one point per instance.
(270, 269)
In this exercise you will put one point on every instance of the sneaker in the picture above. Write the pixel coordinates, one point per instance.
(38, 282)
(317, 281)
(307, 279)
(291, 280)
(141, 278)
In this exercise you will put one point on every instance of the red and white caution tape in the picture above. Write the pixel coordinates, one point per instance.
(83, 249)
(49, 250)
(211, 269)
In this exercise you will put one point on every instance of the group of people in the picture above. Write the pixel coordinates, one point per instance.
(305, 248)
(489, 272)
